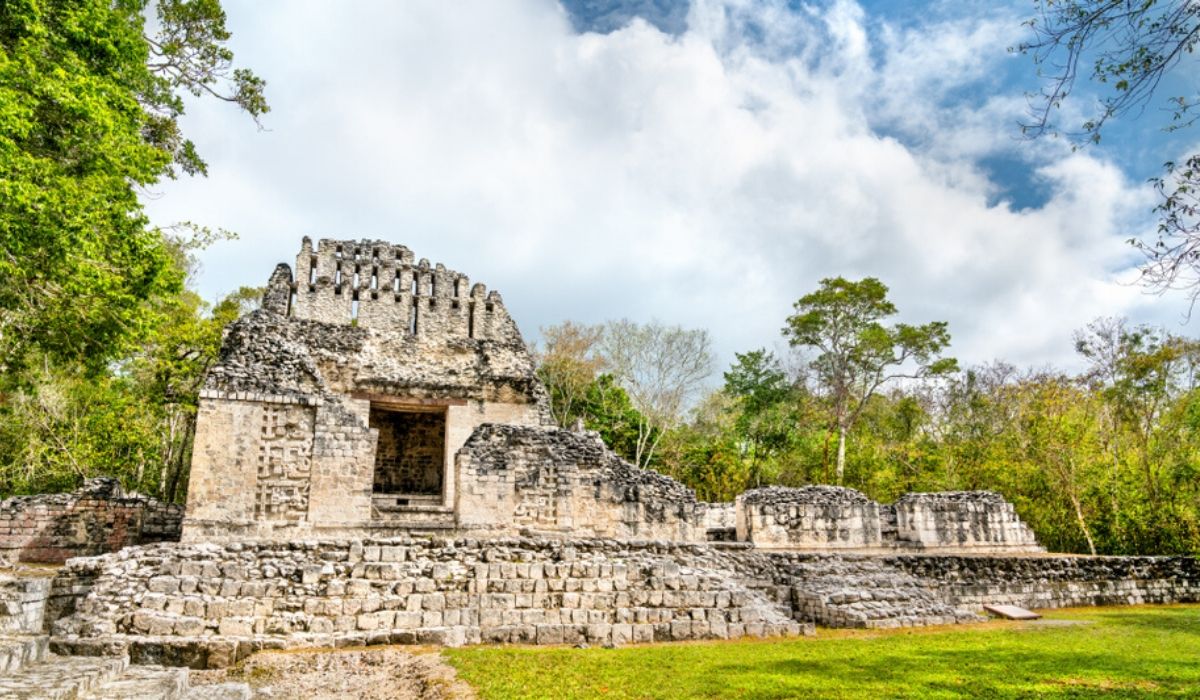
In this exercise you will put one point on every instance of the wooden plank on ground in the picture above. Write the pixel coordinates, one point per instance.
(1011, 612)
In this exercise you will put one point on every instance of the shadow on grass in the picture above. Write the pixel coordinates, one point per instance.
(1185, 620)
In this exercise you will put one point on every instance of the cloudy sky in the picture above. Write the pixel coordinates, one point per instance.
(703, 164)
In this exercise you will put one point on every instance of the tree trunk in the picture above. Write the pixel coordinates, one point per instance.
(1087, 534)
(177, 472)
(841, 454)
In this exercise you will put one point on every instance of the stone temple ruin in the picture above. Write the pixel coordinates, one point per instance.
(375, 463)
(338, 407)
(373, 395)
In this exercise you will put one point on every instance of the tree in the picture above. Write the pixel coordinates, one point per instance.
(135, 422)
(91, 107)
(568, 366)
(1131, 46)
(606, 408)
(857, 353)
(661, 368)
(758, 384)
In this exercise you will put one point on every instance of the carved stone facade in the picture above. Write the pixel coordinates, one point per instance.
(830, 518)
(339, 406)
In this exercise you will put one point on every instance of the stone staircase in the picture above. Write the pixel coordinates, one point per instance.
(866, 592)
(28, 671)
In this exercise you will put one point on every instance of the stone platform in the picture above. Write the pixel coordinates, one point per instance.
(210, 605)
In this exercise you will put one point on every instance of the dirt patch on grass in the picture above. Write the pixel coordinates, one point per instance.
(1105, 684)
(378, 673)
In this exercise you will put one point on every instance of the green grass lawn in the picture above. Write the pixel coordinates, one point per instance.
(1112, 652)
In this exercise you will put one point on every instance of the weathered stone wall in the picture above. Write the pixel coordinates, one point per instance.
(832, 518)
(549, 480)
(968, 519)
(22, 604)
(207, 605)
(97, 518)
(882, 591)
(378, 285)
(813, 517)
(1056, 581)
(284, 445)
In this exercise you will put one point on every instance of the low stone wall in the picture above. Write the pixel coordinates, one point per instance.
(830, 518)
(812, 517)
(97, 518)
(1056, 581)
(207, 605)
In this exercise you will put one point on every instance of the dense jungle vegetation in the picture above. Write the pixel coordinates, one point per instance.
(1106, 460)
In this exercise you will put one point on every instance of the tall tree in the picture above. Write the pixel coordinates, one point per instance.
(91, 101)
(568, 364)
(758, 384)
(1127, 48)
(857, 354)
(661, 368)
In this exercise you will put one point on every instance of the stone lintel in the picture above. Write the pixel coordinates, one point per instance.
(407, 403)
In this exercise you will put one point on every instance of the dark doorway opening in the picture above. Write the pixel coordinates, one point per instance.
(411, 453)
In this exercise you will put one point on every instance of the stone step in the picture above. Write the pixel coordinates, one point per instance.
(19, 651)
(22, 603)
(867, 593)
(60, 678)
(144, 683)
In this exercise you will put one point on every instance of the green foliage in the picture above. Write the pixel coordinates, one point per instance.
(88, 113)
(1107, 461)
(102, 346)
(1116, 652)
(856, 353)
(134, 422)
(606, 408)
(568, 363)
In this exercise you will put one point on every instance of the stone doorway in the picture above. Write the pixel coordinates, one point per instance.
(410, 455)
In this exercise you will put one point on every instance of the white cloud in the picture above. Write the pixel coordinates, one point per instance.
(708, 179)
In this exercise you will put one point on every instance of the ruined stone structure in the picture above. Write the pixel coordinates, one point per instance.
(339, 406)
(375, 463)
(377, 396)
(828, 518)
(97, 518)
(209, 605)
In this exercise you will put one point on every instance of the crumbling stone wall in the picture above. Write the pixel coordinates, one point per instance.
(1056, 581)
(98, 517)
(833, 518)
(207, 605)
(549, 480)
(822, 517)
(968, 519)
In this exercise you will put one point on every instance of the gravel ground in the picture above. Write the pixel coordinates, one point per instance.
(377, 673)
